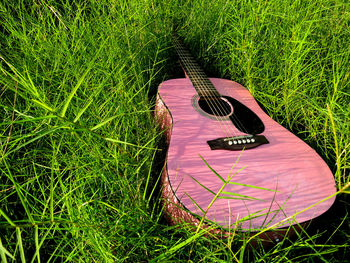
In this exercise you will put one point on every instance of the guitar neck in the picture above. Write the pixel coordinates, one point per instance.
(203, 86)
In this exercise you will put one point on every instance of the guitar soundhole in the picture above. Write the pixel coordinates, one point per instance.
(215, 106)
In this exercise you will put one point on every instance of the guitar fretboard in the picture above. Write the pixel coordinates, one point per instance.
(200, 81)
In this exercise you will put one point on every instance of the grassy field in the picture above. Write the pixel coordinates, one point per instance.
(80, 153)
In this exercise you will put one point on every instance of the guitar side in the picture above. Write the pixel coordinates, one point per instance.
(296, 176)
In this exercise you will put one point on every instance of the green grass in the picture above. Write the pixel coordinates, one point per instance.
(79, 149)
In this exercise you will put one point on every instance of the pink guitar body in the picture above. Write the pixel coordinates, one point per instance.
(296, 175)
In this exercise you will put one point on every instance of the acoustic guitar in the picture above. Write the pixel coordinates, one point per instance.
(229, 162)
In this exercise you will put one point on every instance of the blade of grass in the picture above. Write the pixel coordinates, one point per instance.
(4, 252)
(20, 244)
(74, 90)
(172, 250)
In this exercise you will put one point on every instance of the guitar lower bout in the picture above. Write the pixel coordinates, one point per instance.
(284, 163)
(213, 127)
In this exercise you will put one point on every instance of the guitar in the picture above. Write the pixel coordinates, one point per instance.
(229, 162)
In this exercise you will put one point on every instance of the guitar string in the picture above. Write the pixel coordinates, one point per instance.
(191, 69)
(210, 86)
(199, 77)
(213, 104)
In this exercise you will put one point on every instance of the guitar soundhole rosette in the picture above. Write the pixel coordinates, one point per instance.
(217, 108)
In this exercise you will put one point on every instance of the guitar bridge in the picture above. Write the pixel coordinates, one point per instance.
(237, 143)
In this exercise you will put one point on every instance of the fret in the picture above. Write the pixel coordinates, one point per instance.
(199, 79)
